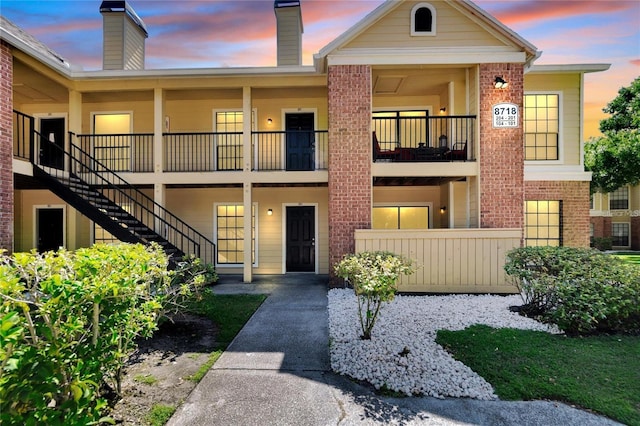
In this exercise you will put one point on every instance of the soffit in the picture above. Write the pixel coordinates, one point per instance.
(30, 86)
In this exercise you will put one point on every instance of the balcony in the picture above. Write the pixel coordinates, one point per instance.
(121, 152)
(398, 138)
(272, 151)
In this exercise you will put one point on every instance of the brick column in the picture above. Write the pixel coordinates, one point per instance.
(349, 93)
(501, 151)
(6, 147)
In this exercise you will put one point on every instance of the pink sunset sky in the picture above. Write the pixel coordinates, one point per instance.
(215, 33)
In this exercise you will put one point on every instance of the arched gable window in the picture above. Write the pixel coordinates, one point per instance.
(423, 20)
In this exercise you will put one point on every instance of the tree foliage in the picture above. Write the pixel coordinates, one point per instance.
(624, 110)
(614, 159)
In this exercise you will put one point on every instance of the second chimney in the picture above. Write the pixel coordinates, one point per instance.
(123, 37)
(289, 31)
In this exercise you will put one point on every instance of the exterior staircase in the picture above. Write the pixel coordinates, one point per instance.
(111, 202)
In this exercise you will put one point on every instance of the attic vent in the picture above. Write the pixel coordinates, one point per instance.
(423, 20)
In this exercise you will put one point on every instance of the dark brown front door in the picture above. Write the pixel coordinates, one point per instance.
(50, 228)
(301, 250)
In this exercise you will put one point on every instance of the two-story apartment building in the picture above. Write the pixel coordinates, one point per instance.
(616, 216)
(426, 129)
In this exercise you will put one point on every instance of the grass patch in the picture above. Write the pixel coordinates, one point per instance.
(213, 357)
(230, 312)
(147, 379)
(631, 257)
(599, 373)
(160, 414)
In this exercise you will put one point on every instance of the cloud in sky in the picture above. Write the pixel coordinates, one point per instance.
(217, 33)
(529, 12)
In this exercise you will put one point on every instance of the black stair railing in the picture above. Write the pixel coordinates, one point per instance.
(77, 163)
(23, 134)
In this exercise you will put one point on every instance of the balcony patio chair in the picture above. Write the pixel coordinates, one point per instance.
(458, 151)
(379, 154)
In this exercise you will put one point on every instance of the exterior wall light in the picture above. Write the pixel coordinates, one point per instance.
(269, 212)
(443, 110)
(500, 83)
(269, 121)
(443, 209)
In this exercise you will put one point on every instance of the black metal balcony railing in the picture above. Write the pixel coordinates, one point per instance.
(120, 152)
(23, 135)
(397, 139)
(202, 152)
(426, 139)
(211, 152)
(293, 150)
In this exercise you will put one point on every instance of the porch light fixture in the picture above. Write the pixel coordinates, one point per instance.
(269, 212)
(443, 209)
(500, 83)
(269, 121)
(443, 110)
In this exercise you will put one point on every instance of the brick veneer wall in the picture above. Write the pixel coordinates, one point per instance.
(6, 147)
(349, 93)
(501, 151)
(601, 226)
(575, 207)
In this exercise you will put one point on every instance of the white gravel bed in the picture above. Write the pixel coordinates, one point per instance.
(411, 322)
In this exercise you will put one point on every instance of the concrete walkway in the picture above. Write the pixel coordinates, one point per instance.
(277, 372)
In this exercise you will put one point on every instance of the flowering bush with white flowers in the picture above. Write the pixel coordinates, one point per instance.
(374, 277)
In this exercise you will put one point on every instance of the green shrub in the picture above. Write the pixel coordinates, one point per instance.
(581, 290)
(602, 243)
(69, 322)
(374, 277)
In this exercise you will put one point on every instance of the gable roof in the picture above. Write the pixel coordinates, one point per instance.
(468, 8)
(22, 40)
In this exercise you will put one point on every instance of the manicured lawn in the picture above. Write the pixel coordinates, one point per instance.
(230, 312)
(599, 373)
(631, 257)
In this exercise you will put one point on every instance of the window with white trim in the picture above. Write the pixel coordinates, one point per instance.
(400, 217)
(228, 139)
(423, 20)
(229, 233)
(620, 234)
(112, 141)
(541, 126)
(543, 223)
(619, 199)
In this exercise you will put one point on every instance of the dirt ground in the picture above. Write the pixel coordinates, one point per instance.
(157, 372)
